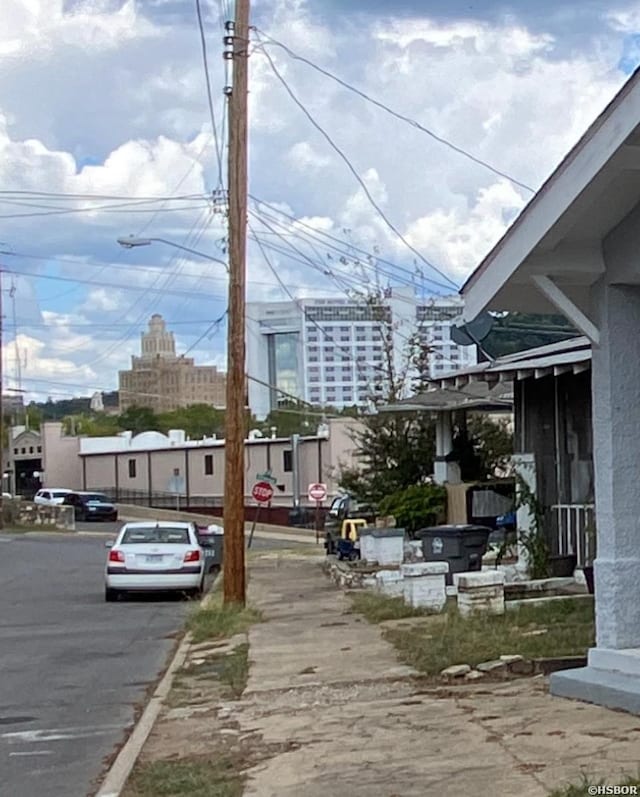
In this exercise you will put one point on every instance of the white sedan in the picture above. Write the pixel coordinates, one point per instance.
(50, 496)
(150, 556)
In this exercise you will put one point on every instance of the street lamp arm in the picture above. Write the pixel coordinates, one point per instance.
(132, 243)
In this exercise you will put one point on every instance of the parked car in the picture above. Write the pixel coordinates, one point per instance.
(91, 506)
(161, 556)
(50, 496)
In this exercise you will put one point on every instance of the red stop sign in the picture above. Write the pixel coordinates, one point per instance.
(262, 492)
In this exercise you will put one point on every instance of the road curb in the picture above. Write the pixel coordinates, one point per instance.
(118, 774)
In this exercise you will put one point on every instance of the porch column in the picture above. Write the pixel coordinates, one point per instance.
(445, 472)
(616, 443)
(612, 677)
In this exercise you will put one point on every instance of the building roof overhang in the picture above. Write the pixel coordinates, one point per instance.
(488, 386)
(552, 254)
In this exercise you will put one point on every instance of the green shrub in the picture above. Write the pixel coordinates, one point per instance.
(416, 506)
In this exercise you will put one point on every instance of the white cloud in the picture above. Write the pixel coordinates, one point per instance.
(109, 99)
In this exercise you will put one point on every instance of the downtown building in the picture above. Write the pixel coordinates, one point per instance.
(163, 381)
(332, 352)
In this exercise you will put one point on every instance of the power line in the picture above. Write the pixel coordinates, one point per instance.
(396, 114)
(354, 172)
(141, 288)
(409, 280)
(53, 195)
(115, 209)
(213, 326)
(205, 61)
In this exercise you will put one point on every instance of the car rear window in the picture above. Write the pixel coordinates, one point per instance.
(57, 494)
(97, 497)
(165, 534)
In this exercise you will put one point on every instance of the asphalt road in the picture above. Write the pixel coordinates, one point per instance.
(73, 668)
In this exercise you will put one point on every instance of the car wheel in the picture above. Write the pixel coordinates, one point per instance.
(110, 595)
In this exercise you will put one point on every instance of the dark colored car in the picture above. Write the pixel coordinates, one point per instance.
(91, 506)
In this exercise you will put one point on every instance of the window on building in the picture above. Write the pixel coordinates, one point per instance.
(330, 369)
(132, 469)
(208, 464)
(15, 450)
(330, 379)
(31, 449)
(287, 461)
(23, 450)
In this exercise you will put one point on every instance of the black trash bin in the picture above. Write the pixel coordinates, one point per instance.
(462, 546)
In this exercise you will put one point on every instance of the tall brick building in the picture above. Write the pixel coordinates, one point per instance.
(163, 381)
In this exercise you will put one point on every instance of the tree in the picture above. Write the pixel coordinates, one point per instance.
(396, 449)
(197, 420)
(139, 419)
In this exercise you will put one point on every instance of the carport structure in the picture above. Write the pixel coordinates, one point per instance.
(576, 249)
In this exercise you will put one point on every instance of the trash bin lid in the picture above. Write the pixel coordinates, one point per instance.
(452, 530)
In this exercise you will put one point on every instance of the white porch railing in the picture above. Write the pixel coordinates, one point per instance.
(574, 521)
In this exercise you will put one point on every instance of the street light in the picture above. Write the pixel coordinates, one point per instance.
(132, 243)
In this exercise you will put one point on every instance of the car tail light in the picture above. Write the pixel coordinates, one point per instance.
(116, 556)
(192, 556)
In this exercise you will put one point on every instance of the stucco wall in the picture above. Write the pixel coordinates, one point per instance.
(60, 460)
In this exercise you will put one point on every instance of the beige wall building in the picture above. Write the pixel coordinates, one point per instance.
(161, 380)
(151, 463)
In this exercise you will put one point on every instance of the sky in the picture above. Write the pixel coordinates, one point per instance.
(105, 132)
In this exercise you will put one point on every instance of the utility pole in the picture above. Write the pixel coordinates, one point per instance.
(234, 561)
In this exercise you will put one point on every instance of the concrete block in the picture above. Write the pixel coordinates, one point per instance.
(427, 592)
(367, 548)
(606, 688)
(418, 569)
(511, 658)
(474, 675)
(483, 578)
(626, 661)
(384, 546)
(480, 592)
(390, 582)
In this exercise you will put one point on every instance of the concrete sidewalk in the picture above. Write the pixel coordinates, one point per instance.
(327, 696)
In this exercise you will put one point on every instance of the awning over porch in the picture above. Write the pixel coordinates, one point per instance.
(568, 356)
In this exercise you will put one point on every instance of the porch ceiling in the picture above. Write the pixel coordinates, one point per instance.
(552, 253)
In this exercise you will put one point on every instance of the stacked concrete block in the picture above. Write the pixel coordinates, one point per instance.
(383, 546)
(424, 584)
(390, 582)
(480, 592)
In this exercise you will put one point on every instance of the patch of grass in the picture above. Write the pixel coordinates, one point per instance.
(582, 789)
(235, 669)
(378, 608)
(448, 638)
(215, 777)
(218, 620)
(230, 669)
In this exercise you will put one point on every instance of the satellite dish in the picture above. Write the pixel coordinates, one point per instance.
(472, 332)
